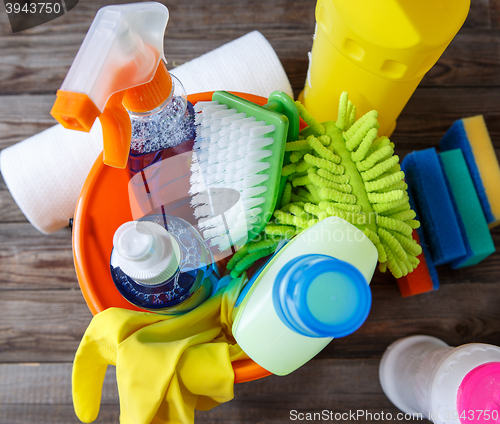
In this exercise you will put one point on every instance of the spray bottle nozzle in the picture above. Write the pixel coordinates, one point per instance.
(120, 61)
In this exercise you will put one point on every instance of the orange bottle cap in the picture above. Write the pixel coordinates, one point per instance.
(149, 96)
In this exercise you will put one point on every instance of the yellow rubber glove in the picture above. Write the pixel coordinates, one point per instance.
(166, 366)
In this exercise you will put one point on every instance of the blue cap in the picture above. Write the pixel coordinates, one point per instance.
(320, 296)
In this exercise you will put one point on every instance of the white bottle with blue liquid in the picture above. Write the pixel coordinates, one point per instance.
(314, 289)
(161, 263)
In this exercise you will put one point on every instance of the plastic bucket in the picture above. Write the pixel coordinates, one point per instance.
(102, 207)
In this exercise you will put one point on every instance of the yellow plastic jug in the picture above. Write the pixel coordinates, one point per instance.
(378, 51)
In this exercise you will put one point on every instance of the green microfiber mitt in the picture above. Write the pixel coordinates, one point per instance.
(344, 169)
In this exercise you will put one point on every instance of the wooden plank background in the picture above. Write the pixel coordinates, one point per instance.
(42, 313)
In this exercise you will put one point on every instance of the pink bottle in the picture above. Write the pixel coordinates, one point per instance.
(447, 385)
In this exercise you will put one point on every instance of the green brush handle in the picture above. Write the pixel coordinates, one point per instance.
(282, 103)
(281, 122)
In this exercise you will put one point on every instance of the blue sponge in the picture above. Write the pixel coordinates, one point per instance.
(427, 183)
(425, 247)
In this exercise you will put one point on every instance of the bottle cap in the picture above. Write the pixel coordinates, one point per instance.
(320, 296)
(149, 96)
(478, 398)
(146, 252)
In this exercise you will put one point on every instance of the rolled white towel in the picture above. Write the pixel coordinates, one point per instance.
(248, 64)
(45, 173)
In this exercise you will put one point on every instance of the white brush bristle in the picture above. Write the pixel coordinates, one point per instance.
(229, 152)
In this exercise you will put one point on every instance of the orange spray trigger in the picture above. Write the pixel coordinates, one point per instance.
(75, 111)
(116, 132)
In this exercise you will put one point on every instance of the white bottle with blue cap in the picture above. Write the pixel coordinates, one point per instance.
(314, 289)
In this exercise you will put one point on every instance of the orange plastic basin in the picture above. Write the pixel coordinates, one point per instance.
(102, 207)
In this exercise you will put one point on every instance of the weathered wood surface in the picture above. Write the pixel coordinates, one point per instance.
(472, 59)
(37, 60)
(338, 385)
(43, 314)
